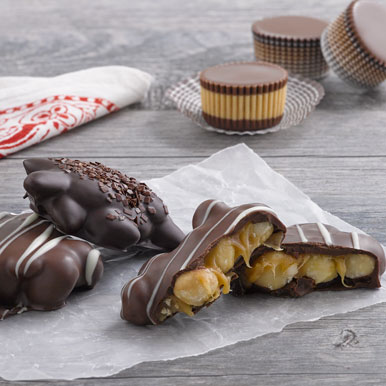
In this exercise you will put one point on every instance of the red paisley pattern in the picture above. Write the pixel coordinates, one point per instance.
(35, 122)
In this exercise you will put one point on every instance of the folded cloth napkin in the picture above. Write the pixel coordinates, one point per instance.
(35, 109)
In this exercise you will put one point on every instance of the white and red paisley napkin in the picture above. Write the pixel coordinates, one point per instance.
(35, 109)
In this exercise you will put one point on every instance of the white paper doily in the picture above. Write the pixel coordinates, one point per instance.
(303, 95)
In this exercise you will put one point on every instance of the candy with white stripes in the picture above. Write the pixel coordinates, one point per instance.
(195, 274)
(40, 266)
(314, 257)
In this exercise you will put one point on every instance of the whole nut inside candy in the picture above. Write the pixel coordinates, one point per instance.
(197, 287)
(359, 265)
(314, 256)
(319, 268)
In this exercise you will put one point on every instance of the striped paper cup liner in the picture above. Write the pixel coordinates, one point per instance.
(247, 105)
(348, 57)
(296, 56)
(303, 95)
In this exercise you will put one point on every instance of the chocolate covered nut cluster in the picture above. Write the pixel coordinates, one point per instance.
(201, 268)
(99, 204)
(314, 257)
(39, 266)
(40, 263)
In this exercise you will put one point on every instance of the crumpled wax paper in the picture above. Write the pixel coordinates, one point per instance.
(87, 338)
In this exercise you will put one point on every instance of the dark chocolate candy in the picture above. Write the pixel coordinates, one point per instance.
(99, 204)
(39, 266)
(145, 298)
(320, 239)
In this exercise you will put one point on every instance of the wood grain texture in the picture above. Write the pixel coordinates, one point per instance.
(337, 156)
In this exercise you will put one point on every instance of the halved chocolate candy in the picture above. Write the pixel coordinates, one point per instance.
(201, 267)
(39, 266)
(99, 204)
(314, 257)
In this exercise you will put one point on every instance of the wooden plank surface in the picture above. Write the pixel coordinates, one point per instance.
(337, 157)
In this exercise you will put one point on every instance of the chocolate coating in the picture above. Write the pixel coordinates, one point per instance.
(316, 238)
(143, 295)
(99, 204)
(244, 74)
(295, 27)
(39, 266)
(369, 23)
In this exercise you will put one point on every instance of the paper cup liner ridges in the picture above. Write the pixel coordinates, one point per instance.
(239, 107)
(296, 56)
(346, 55)
(303, 95)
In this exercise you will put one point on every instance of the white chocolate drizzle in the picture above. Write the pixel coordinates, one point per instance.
(22, 309)
(27, 221)
(41, 239)
(131, 284)
(302, 236)
(355, 240)
(4, 314)
(17, 235)
(325, 233)
(208, 210)
(7, 221)
(3, 214)
(42, 250)
(91, 263)
(187, 261)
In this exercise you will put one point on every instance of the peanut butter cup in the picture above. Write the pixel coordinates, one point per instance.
(354, 45)
(243, 96)
(292, 42)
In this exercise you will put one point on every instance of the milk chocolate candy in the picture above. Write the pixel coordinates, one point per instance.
(243, 96)
(201, 267)
(39, 266)
(292, 42)
(99, 204)
(314, 257)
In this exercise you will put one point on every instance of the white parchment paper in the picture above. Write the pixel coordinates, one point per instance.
(87, 338)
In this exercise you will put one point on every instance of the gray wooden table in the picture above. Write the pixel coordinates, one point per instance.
(337, 157)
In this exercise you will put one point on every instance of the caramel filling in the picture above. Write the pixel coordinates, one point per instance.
(273, 270)
(203, 285)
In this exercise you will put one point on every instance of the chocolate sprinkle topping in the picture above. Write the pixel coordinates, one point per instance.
(125, 189)
(151, 210)
(99, 204)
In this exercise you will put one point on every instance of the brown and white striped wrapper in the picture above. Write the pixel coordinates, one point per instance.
(347, 55)
(297, 56)
(303, 95)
